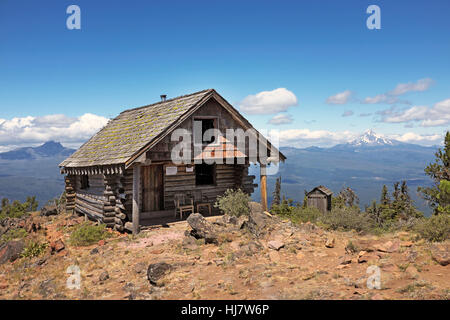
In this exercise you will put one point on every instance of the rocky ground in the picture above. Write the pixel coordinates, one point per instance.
(260, 257)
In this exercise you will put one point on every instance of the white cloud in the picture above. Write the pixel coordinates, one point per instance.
(27, 131)
(302, 138)
(391, 96)
(381, 98)
(419, 85)
(340, 98)
(425, 139)
(438, 115)
(281, 118)
(268, 102)
(321, 138)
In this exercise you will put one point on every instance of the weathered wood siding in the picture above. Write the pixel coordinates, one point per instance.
(227, 177)
(162, 150)
(320, 201)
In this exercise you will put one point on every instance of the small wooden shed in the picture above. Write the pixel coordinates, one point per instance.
(320, 198)
(124, 174)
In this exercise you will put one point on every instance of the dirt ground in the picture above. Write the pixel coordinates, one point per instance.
(289, 262)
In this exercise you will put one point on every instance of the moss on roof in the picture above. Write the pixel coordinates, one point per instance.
(131, 131)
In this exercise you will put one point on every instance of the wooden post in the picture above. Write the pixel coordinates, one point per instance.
(263, 180)
(136, 209)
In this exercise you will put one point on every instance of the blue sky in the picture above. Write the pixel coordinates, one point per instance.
(62, 84)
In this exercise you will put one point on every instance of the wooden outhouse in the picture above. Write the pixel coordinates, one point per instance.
(125, 174)
(320, 198)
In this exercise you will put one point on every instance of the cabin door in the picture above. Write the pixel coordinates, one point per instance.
(152, 188)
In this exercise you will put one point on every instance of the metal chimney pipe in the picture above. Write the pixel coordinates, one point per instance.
(163, 97)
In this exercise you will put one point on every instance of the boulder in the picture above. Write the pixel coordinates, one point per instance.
(103, 276)
(440, 255)
(49, 210)
(364, 245)
(11, 251)
(365, 256)
(347, 259)
(189, 242)
(237, 222)
(258, 221)
(57, 246)
(139, 267)
(330, 243)
(388, 246)
(156, 271)
(202, 229)
(412, 272)
(275, 245)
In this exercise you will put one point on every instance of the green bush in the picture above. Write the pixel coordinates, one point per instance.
(348, 218)
(87, 234)
(297, 214)
(234, 202)
(435, 228)
(16, 209)
(13, 234)
(34, 249)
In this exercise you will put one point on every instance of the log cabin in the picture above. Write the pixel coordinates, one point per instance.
(125, 174)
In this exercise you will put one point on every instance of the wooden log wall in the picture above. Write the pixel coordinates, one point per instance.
(70, 181)
(89, 205)
(114, 209)
(227, 177)
(127, 195)
(103, 200)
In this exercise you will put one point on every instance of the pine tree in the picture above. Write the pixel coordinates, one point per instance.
(439, 171)
(404, 196)
(276, 193)
(349, 197)
(385, 199)
(305, 200)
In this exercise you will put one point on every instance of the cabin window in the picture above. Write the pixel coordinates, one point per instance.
(84, 182)
(205, 174)
(206, 124)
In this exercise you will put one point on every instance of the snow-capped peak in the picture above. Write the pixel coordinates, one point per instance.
(370, 138)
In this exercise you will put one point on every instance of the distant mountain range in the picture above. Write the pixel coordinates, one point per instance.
(49, 149)
(33, 171)
(364, 164)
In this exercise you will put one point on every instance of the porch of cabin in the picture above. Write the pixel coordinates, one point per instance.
(167, 217)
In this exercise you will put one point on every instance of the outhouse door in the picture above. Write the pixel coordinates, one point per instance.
(152, 188)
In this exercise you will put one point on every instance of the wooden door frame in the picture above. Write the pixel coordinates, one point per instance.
(160, 189)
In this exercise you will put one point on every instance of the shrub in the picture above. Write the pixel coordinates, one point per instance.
(16, 209)
(348, 218)
(234, 202)
(13, 234)
(298, 214)
(34, 249)
(435, 228)
(87, 234)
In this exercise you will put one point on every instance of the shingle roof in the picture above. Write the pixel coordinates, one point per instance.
(131, 131)
(323, 189)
